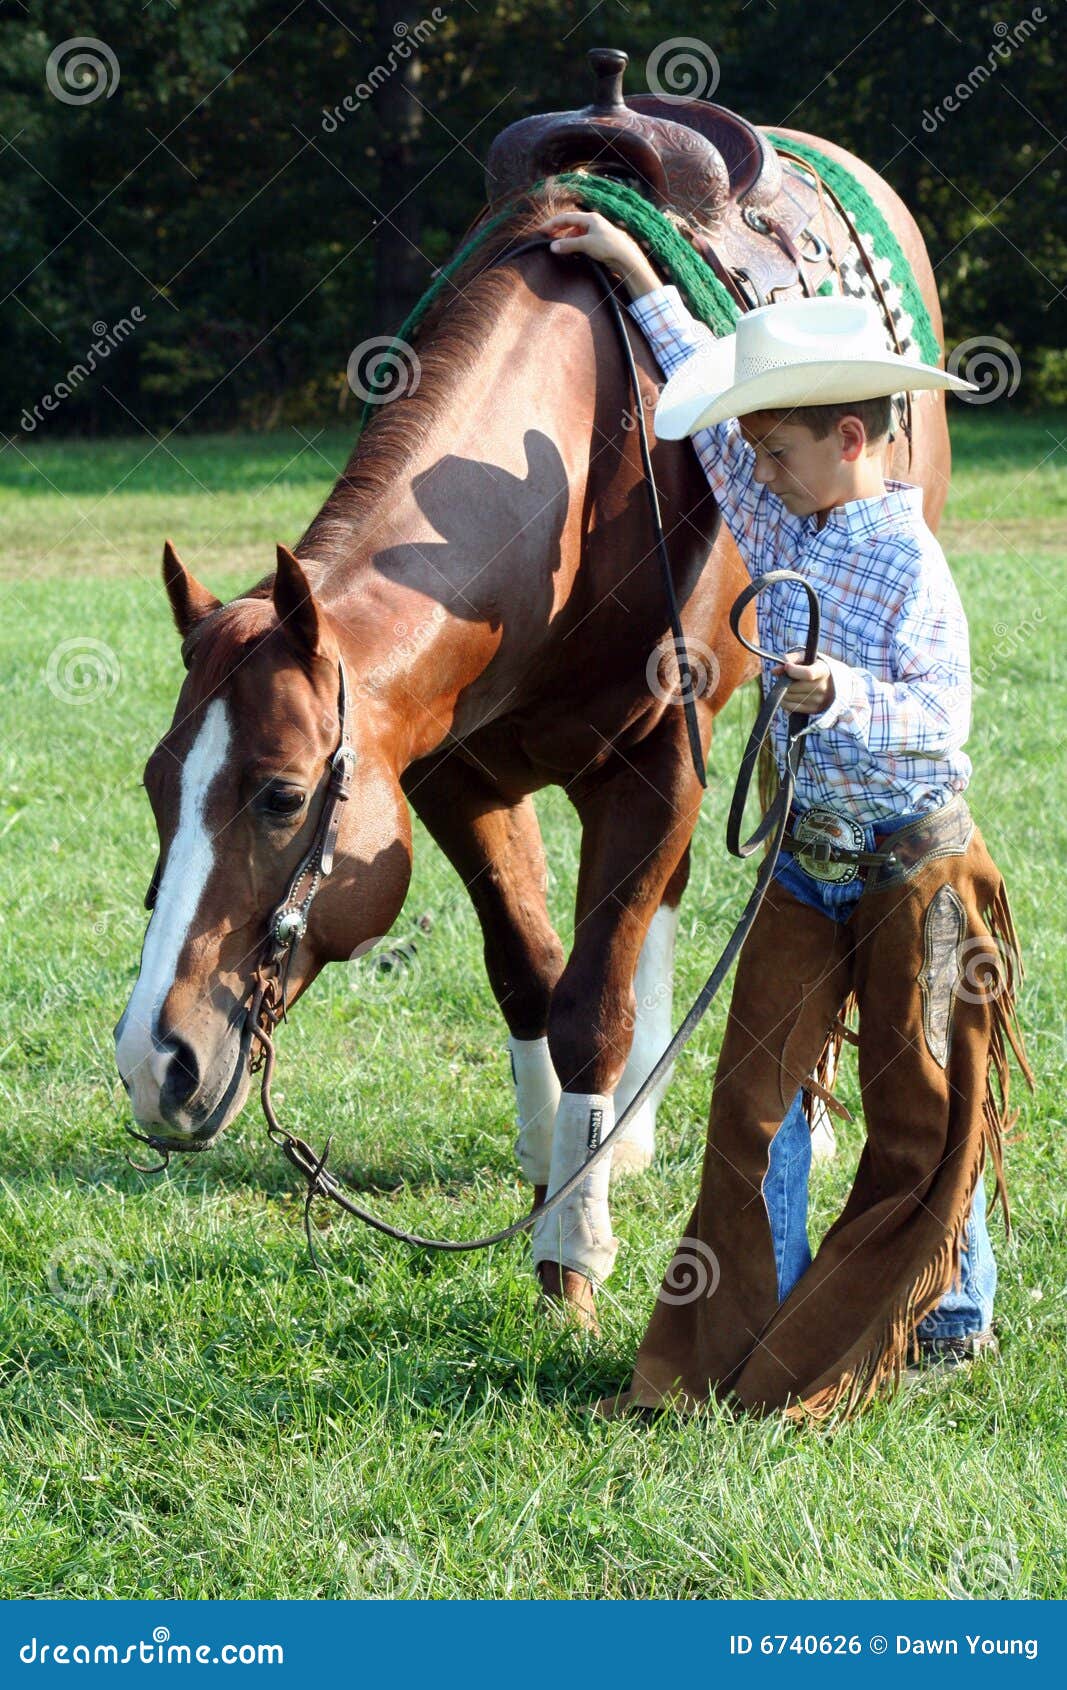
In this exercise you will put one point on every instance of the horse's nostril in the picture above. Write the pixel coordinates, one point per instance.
(183, 1073)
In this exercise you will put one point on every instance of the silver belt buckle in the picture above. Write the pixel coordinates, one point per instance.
(824, 827)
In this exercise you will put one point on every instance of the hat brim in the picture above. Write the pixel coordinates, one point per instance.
(703, 391)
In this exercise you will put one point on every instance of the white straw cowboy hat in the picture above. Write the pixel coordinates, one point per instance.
(825, 351)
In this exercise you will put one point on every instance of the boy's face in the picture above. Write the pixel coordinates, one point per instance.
(807, 474)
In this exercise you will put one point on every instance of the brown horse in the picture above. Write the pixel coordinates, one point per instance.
(485, 567)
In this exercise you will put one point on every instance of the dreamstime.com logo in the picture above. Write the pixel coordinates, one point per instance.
(693, 1273)
(990, 363)
(81, 70)
(663, 671)
(382, 369)
(683, 65)
(157, 1651)
(107, 339)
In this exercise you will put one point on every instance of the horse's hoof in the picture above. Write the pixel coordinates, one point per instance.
(570, 1295)
(619, 1407)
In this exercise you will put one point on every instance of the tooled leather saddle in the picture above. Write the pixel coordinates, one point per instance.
(747, 213)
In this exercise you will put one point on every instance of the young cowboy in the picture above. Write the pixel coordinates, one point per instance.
(909, 915)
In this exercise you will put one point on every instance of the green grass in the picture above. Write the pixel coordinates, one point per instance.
(213, 1420)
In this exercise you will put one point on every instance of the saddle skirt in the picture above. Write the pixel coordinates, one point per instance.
(748, 213)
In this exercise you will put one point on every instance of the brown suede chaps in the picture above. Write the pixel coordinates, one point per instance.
(929, 958)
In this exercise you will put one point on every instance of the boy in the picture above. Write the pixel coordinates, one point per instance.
(895, 899)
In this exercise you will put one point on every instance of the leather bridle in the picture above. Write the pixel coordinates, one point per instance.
(288, 921)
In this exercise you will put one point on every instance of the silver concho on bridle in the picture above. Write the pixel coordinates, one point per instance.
(288, 927)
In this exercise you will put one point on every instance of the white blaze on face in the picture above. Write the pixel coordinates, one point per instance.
(189, 860)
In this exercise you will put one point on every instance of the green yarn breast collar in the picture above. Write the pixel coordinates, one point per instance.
(702, 292)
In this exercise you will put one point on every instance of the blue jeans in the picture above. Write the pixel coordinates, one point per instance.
(785, 1187)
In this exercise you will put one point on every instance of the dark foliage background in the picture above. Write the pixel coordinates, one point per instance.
(262, 243)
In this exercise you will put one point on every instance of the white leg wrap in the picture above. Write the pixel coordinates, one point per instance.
(653, 989)
(536, 1100)
(578, 1234)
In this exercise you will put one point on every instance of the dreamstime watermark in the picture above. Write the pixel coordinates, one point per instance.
(683, 65)
(410, 641)
(648, 1002)
(649, 402)
(82, 669)
(104, 344)
(1009, 641)
(82, 1271)
(80, 70)
(387, 1567)
(383, 368)
(1008, 38)
(388, 969)
(156, 1651)
(983, 1568)
(693, 1273)
(410, 37)
(990, 362)
(986, 969)
(663, 671)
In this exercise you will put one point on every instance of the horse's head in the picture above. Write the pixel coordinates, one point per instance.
(238, 785)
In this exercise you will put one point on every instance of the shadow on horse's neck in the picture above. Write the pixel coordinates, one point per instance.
(416, 472)
(447, 536)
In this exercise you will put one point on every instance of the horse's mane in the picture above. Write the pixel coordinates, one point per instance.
(450, 338)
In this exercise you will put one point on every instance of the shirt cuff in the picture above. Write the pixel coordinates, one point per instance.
(665, 295)
(841, 675)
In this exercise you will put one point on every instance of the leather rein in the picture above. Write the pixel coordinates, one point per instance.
(289, 920)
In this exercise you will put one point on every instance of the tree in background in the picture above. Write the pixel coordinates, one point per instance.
(270, 182)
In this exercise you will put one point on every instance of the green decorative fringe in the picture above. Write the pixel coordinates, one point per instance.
(870, 221)
(700, 288)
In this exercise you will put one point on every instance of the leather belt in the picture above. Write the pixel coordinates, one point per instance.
(828, 846)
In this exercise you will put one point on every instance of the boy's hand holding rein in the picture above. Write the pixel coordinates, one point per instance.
(812, 690)
(598, 237)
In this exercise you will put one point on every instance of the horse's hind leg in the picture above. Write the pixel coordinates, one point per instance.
(495, 846)
(653, 1025)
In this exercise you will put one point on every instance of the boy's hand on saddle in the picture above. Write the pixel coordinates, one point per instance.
(592, 233)
(812, 690)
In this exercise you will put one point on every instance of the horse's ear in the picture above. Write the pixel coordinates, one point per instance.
(189, 601)
(295, 604)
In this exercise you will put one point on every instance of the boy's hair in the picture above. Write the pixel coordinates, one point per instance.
(876, 415)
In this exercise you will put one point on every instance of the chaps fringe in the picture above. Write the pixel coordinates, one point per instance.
(1005, 1032)
(824, 1073)
(879, 1371)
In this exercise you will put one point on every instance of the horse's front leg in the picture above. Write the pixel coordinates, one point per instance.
(638, 814)
(494, 843)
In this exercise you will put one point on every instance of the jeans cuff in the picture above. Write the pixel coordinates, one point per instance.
(954, 1327)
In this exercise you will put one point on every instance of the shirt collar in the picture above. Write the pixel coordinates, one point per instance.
(861, 518)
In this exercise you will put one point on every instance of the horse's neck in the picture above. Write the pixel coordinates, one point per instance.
(443, 558)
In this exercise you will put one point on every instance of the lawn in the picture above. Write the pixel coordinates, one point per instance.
(187, 1410)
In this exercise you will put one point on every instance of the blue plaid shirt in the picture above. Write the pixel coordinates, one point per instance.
(893, 628)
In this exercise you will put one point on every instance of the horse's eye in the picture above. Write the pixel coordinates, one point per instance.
(283, 800)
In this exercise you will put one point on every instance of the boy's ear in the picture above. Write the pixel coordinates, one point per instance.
(853, 436)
